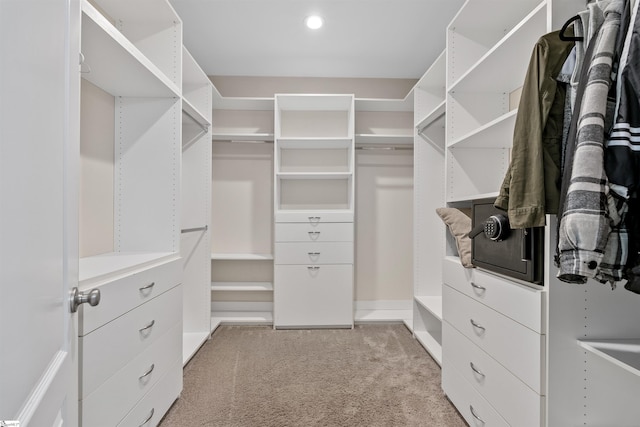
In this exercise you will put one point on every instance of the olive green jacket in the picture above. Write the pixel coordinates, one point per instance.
(531, 187)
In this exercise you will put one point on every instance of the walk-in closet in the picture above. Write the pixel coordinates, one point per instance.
(268, 212)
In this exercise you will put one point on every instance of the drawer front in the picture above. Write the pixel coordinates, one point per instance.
(516, 347)
(150, 410)
(107, 349)
(314, 253)
(121, 295)
(521, 303)
(115, 397)
(314, 216)
(471, 405)
(313, 296)
(318, 232)
(512, 398)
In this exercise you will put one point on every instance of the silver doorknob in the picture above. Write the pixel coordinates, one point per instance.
(92, 297)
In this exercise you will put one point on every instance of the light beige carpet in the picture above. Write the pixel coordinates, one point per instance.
(373, 375)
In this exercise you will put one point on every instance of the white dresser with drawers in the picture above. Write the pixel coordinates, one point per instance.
(130, 347)
(494, 347)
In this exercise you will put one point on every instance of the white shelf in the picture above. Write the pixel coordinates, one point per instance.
(377, 139)
(433, 304)
(194, 114)
(496, 134)
(382, 316)
(624, 353)
(116, 65)
(431, 344)
(470, 197)
(432, 117)
(314, 175)
(191, 343)
(240, 318)
(507, 51)
(314, 143)
(97, 267)
(243, 137)
(241, 257)
(242, 286)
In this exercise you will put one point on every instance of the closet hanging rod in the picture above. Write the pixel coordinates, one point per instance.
(385, 148)
(242, 141)
(204, 127)
(190, 230)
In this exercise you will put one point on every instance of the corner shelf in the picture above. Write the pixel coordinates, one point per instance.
(496, 134)
(624, 353)
(116, 65)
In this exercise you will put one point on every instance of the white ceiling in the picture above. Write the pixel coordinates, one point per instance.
(360, 38)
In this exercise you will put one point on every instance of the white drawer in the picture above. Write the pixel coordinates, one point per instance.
(314, 253)
(313, 296)
(107, 349)
(314, 232)
(121, 295)
(515, 346)
(467, 399)
(150, 410)
(115, 397)
(315, 216)
(512, 398)
(521, 303)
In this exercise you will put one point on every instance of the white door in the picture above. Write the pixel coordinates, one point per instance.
(39, 50)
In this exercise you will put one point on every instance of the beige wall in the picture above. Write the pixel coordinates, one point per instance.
(384, 225)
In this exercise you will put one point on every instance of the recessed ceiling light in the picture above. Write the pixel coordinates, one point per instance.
(313, 22)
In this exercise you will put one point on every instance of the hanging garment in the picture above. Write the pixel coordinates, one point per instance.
(623, 152)
(531, 185)
(588, 210)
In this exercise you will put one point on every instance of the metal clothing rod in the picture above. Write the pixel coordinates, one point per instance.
(384, 148)
(205, 128)
(189, 230)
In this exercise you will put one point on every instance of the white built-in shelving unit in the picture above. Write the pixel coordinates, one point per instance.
(314, 210)
(241, 286)
(130, 214)
(429, 243)
(196, 205)
(483, 379)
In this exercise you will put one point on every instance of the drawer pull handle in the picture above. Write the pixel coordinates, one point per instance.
(477, 325)
(473, 412)
(146, 374)
(314, 219)
(149, 286)
(314, 234)
(313, 268)
(149, 326)
(314, 253)
(478, 287)
(476, 370)
(148, 418)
